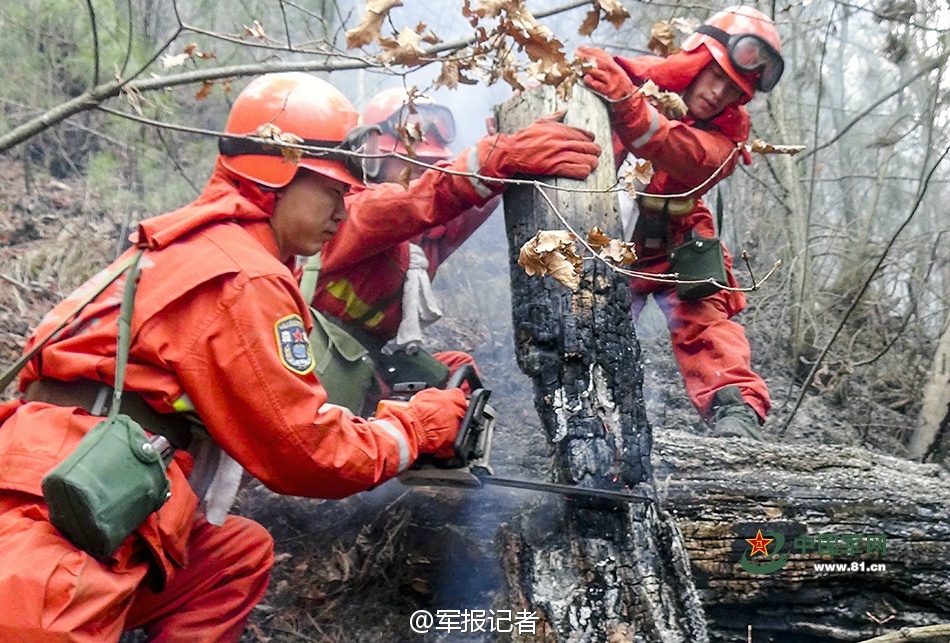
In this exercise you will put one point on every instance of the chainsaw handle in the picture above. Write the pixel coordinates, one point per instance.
(471, 425)
(465, 373)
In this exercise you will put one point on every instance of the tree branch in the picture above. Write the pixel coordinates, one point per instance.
(102, 92)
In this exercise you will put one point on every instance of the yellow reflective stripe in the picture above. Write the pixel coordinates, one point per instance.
(183, 404)
(352, 304)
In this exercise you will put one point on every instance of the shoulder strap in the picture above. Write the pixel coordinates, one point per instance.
(10, 374)
(124, 338)
(308, 281)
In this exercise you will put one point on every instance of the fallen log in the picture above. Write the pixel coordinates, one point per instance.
(875, 526)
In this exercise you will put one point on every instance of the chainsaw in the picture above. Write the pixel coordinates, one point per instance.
(470, 466)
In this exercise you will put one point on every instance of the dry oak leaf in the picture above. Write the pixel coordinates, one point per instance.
(639, 173)
(662, 40)
(205, 90)
(761, 147)
(368, 29)
(614, 13)
(271, 132)
(670, 104)
(596, 238)
(404, 50)
(552, 252)
(619, 253)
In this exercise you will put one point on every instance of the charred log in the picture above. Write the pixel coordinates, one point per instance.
(723, 492)
(594, 574)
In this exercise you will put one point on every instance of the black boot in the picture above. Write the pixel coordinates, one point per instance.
(731, 417)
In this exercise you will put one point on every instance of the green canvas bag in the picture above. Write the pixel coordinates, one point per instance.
(342, 364)
(115, 478)
(699, 258)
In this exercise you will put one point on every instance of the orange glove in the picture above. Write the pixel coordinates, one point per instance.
(438, 414)
(631, 114)
(607, 79)
(545, 147)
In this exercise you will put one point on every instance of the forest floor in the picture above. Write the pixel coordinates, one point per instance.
(356, 569)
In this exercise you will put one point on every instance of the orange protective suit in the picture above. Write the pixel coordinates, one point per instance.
(712, 351)
(364, 265)
(219, 327)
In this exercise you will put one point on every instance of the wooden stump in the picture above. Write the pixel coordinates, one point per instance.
(595, 575)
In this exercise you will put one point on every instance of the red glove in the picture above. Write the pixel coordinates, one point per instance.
(545, 147)
(631, 114)
(607, 79)
(438, 414)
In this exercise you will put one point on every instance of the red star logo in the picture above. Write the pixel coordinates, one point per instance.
(759, 544)
(298, 336)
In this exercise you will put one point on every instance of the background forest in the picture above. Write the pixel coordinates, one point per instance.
(108, 112)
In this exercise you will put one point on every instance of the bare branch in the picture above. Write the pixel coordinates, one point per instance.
(95, 43)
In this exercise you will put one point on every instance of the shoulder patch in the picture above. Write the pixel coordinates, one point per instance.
(293, 347)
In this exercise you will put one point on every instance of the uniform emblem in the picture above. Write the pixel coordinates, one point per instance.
(293, 345)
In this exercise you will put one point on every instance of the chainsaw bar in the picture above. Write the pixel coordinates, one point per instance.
(470, 468)
(570, 491)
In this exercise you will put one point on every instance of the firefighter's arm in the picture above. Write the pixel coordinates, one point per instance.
(687, 153)
(250, 377)
(384, 216)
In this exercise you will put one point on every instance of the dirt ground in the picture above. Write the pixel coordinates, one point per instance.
(356, 569)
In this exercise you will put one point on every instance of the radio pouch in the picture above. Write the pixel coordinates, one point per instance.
(697, 260)
(115, 478)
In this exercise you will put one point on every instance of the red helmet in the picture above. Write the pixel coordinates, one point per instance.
(300, 104)
(746, 45)
(390, 110)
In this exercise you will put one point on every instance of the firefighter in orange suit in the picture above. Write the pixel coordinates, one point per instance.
(734, 54)
(219, 334)
(366, 273)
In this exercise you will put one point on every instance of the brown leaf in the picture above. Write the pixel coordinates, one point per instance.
(662, 41)
(590, 23)
(271, 132)
(552, 252)
(596, 238)
(205, 90)
(404, 177)
(620, 253)
(761, 147)
(638, 174)
(368, 29)
(614, 12)
(449, 76)
(405, 50)
(670, 104)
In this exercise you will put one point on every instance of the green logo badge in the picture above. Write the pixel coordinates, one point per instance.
(760, 545)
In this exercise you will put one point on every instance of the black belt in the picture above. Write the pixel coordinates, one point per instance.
(84, 393)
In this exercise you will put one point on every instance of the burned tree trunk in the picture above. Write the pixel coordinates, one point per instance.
(596, 574)
(831, 505)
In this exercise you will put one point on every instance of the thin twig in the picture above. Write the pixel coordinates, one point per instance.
(922, 190)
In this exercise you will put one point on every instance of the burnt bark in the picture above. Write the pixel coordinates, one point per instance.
(594, 573)
(723, 491)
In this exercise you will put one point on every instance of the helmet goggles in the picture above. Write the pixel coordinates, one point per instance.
(750, 54)
(358, 151)
(433, 120)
